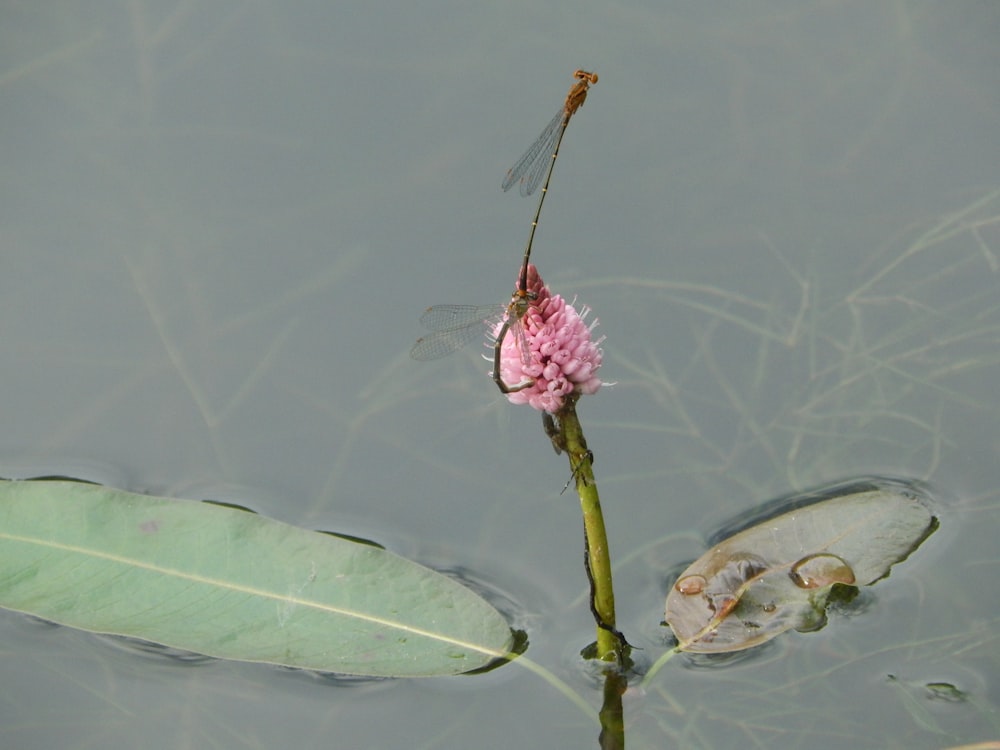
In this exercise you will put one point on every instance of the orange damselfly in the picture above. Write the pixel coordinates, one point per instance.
(528, 170)
(454, 326)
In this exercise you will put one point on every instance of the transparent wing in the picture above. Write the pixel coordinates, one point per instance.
(453, 327)
(530, 167)
(521, 338)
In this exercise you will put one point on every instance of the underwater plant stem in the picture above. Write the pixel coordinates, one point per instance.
(610, 643)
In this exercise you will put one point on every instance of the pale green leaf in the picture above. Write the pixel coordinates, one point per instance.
(232, 584)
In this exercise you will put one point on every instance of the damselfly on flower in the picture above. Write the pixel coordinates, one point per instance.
(565, 357)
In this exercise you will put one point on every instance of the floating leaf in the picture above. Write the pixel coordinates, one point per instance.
(231, 584)
(779, 573)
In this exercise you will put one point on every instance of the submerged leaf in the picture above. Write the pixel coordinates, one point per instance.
(235, 585)
(778, 574)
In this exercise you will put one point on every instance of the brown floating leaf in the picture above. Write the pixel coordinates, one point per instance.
(778, 574)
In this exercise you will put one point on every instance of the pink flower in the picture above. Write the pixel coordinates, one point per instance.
(564, 356)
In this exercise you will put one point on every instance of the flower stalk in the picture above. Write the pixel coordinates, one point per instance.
(555, 359)
(610, 644)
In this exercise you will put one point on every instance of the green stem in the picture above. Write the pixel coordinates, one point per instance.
(610, 644)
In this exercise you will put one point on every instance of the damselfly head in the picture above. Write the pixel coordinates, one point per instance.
(578, 93)
(519, 304)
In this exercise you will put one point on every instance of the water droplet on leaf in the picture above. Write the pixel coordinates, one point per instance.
(690, 585)
(821, 570)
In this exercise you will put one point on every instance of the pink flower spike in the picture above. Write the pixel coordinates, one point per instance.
(564, 356)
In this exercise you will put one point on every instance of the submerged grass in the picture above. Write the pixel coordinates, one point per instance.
(897, 373)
